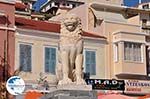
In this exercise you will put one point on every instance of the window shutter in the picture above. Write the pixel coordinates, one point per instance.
(90, 62)
(25, 57)
(93, 61)
(50, 60)
(47, 59)
(87, 61)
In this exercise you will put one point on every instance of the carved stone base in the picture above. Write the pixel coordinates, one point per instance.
(74, 87)
(71, 91)
(70, 94)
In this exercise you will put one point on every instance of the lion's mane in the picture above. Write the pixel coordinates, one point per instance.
(75, 35)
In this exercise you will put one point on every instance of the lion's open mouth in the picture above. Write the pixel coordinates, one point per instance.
(69, 24)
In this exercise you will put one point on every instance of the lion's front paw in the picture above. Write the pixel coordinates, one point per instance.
(80, 82)
(65, 81)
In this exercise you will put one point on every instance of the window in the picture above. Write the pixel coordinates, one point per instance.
(115, 52)
(144, 23)
(25, 57)
(50, 60)
(47, 7)
(57, 4)
(64, 4)
(68, 4)
(73, 5)
(132, 51)
(90, 62)
(50, 5)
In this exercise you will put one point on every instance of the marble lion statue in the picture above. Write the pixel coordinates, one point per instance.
(69, 68)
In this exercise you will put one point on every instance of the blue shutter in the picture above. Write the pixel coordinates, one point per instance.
(93, 63)
(25, 57)
(47, 57)
(87, 61)
(90, 62)
(50, 60)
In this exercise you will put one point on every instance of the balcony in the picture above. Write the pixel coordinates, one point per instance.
(130, 49)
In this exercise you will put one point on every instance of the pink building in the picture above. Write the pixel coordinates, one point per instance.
(7, 39)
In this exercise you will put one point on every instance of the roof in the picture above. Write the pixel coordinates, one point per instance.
(37, 25)
(90, 34)
(51, 26)
(20, 6)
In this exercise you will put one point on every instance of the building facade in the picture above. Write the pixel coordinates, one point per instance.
(56, 7)
(126, 49)
(37, 50)
(7, 43)
(116, 42)
(127, 40)
(7, 39)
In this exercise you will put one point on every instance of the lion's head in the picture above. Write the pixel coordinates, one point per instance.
(71, 23)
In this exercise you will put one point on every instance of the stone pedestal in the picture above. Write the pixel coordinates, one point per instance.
(71, 94)
(75, 87)
(71, 91)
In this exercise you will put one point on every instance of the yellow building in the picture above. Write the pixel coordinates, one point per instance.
(126, 50)
(127, 33)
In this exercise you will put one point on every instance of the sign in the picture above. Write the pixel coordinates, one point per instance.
(15, 85)
(137, 87)
(106, 84)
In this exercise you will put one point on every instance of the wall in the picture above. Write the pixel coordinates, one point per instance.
(38, 43)
(7, 33)
(99, 47)
(134, 20)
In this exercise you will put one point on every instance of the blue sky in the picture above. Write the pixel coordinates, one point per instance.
(126, 3)
(37, 5)
(133, 2)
